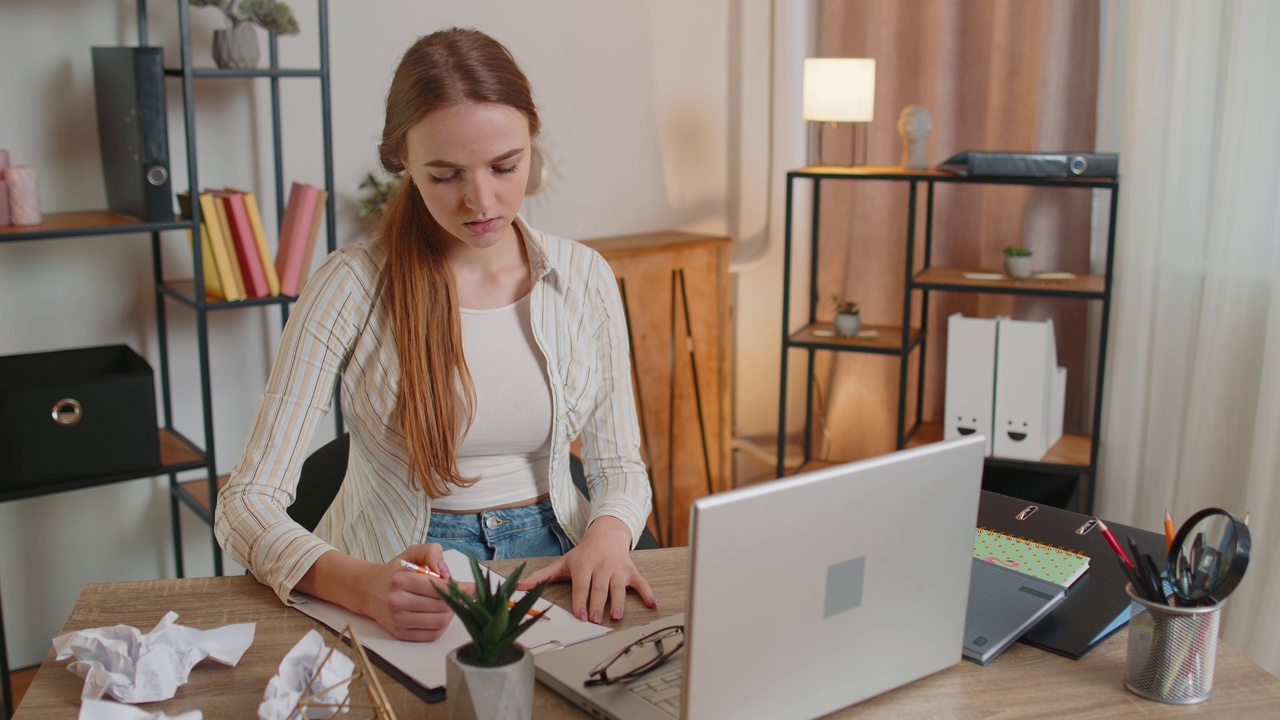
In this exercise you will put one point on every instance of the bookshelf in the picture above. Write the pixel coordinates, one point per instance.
(1074, 454)
(182, 456)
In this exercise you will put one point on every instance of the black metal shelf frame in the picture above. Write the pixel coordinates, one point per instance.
(915, 340)
(188, 73)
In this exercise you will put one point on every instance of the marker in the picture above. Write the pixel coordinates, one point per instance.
(420, 569)
(1168, 530)
(1115, 544)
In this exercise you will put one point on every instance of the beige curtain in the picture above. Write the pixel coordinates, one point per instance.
(995, 75)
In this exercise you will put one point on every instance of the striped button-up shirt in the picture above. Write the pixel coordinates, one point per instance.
(339, 333)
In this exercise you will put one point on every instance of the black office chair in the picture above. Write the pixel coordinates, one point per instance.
(323, 471)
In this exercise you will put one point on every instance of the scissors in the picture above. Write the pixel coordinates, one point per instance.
(1208, 557)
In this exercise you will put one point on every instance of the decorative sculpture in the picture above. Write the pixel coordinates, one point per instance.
(914, 125)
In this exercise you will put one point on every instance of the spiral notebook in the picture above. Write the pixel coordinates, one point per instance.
(1042, 560)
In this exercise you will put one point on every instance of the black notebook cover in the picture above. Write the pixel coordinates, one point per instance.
(133, 131)
(1096, 604)
(1027, 164)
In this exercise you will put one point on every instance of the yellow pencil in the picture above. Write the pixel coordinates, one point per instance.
(1168, 530)
(420, 569)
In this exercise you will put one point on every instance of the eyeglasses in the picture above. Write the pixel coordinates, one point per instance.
(639, 657)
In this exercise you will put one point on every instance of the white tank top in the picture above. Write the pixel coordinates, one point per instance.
(509, 444)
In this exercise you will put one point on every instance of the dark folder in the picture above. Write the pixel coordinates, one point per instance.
(1032, 164)
(133, 131)
(1096, 604)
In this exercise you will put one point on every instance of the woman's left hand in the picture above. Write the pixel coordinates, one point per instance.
(601, 570)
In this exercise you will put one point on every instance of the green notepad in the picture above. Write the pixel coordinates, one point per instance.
(1037, 559)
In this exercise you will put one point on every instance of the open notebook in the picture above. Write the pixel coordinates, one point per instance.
(424, 663)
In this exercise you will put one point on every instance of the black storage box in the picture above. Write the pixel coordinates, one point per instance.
(78, 413)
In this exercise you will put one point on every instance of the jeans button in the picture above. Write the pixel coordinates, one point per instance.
(492, 522)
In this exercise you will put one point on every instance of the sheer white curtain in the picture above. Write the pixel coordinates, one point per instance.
(1190, 98)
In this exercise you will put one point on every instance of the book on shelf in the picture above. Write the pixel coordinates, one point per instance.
(295, 231)
(212, 281)
(260, 240)
(224, 255)
(317, 220)
(246, 245)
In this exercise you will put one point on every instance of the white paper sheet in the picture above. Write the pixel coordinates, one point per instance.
(136, 668)
(298, 677)
(108, 710)
(424, 662)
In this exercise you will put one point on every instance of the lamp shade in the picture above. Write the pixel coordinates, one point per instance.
(839, 89)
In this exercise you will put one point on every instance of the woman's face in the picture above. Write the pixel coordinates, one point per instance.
(470, 163)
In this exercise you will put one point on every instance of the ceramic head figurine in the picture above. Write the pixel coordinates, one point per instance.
(914, 124)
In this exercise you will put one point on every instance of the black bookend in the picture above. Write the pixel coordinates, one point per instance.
(133, 131)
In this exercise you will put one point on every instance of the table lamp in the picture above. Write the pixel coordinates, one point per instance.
(839, 90)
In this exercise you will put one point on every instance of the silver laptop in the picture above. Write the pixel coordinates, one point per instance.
(806, 595)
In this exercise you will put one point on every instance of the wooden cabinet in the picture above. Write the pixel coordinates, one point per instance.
(686, 426)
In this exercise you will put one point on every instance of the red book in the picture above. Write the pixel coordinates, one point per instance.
(294, 234)
(246, 246)
(317, 220)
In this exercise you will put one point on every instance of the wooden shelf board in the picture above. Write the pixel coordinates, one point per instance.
(954, 277)
(176, 451)
(198, 490)
(84, 223)
(888, 338)
(1069, 450)
(187, 290)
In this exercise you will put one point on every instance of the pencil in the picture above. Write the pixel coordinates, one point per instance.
(1115, 544)
(531, 612)
(1168, 530)
(420, 569)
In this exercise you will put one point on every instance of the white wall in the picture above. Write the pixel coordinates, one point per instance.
(656, 115)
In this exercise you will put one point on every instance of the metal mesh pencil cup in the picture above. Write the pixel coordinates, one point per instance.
(1171, 651)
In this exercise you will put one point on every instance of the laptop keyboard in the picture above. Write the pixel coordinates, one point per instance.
(662, 691)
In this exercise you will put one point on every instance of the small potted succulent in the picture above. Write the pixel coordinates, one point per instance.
(1017, 261)
(848, 317)
(491, 676)
(237, 47)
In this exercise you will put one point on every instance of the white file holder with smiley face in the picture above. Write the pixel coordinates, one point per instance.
(969, 401)
(1030, 390)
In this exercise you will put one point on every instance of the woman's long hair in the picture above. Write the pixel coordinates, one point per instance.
(436, 399)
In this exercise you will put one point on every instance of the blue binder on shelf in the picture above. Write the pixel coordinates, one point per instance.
(1096, 605)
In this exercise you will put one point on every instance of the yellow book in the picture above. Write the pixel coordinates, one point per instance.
(212, 284)
(224, 226)
(260, 237)
(227, 270)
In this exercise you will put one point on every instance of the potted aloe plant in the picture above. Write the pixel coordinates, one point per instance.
(848, 316)
(237, 47)
(1017, 261)
(491, 677)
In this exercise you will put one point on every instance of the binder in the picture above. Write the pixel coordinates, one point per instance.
(1003, 603)
(1032, 164)
(969, 399)
(133, 131)
(1096, 605)
(1027, 384)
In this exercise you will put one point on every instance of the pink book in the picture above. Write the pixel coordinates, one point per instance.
(255, 278)
(294, 232)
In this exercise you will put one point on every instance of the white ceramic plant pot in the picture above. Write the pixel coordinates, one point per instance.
(1019, 266)
(847, 324)
(236, 48)
(504, 692)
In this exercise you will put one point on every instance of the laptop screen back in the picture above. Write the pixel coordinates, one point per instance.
(814, 592)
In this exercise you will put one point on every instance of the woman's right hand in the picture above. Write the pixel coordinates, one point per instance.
(405, 603)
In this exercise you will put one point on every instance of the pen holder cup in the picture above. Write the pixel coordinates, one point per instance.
(1171, 651)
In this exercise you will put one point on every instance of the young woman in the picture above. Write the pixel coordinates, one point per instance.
(471, 349)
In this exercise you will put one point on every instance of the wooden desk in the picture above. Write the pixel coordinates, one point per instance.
(1022, 682)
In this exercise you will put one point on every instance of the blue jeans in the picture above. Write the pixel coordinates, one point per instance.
(521, 532)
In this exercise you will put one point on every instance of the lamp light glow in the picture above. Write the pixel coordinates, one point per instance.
(839, 89)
